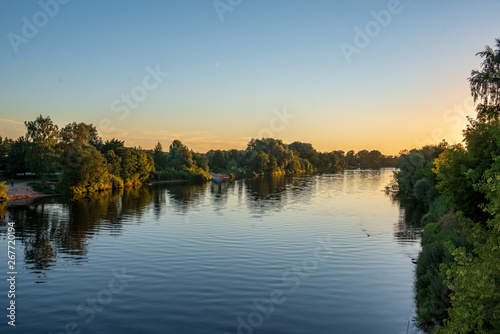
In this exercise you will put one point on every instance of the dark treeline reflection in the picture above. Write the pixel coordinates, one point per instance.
(267, 194)
(219, 193)
(48, 227)
(61, 228)
(181, 196)
(409, 225)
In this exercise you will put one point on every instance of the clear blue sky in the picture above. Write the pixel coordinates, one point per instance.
(228, 79)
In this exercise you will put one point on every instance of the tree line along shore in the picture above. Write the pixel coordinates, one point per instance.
(77, 160)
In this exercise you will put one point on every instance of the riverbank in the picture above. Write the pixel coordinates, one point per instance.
(22, 191)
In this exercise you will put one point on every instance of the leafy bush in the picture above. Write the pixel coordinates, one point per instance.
(168, 174)
(116, 181)
(3, 190)
(136, 165)
(433, 296)
(438, 209)
(422, 187)
(198, 175)
(85, 170)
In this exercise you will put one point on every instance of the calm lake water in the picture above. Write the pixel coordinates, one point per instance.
(307, 254)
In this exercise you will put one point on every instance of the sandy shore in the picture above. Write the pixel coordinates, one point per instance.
(21, 191)
(220, 176)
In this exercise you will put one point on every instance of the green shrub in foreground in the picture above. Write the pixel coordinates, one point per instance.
(438, 209)
(433, 296)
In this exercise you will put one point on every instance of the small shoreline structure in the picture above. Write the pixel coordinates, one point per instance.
(216, 177)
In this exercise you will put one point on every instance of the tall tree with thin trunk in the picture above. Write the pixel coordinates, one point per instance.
(41, 136)
(485, 84)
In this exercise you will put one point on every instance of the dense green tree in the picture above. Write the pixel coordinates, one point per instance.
(389, 161)
(234, 162)
(408, 164)
(363, 159)
(180, 164)
(432, 293)
(306, 165)
(5, 144)
(304, 150)
(482, 138)
(136, 166)
(78, 134)
(272, 147)
(218, 160)
(272, 166)
(235, 156)
(85, 170)
(456, 174)
(341, 155)
(417, 164)
(474, 276)
(299, 165)
(116, 145)
(41, 137)
(114, 163)
(326, 163)
(16, 161)
(294, 165)
(375, 159)
(431, 152)
(179, 156)
(200, 160)
(351, 160)
(422, 188)
(159, 157)
(259, 161)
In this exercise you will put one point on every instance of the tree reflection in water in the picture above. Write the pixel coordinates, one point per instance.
(62, 227)
(409, 225)
(48, 227)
